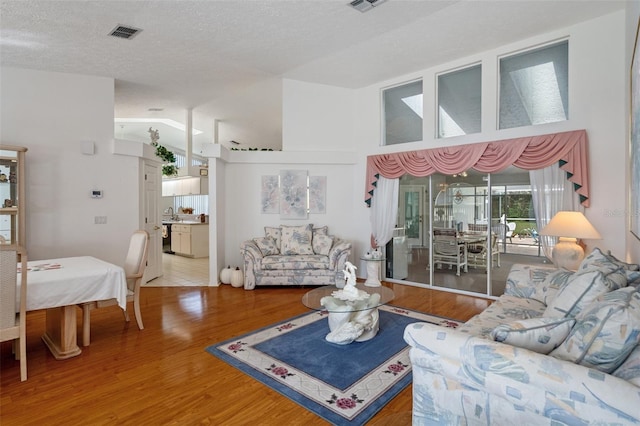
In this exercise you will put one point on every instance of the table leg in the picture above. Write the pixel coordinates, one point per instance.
(61, 334)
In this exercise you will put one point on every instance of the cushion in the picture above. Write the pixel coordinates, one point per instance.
(630, 368)
(624, 265)
(275, 233)
(540, 335)
(596, 260)
(296, 239)
(267, 246)
(323, 230)
(296, 263)
(605, 332)
(322, 244)
(547, 289)
(596, 275)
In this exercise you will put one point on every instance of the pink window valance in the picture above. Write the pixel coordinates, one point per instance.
(568, 149)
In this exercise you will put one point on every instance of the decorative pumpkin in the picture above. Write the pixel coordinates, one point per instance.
(225, 275)
(237, 278)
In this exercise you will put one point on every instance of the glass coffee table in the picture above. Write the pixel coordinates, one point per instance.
(349, 320)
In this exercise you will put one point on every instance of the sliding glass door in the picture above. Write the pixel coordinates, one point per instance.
(466, 230)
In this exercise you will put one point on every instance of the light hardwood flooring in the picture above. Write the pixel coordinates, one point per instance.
(162, 374)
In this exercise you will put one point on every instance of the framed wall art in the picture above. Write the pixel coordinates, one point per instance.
(293, 194)
(270, 195)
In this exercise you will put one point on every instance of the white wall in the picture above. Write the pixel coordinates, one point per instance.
(317, 117)
(51, 114)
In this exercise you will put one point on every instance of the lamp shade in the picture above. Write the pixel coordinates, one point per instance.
(572, 225)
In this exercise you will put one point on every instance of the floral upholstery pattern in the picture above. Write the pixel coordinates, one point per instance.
(297, 269)
(275, 233)
(463, 377)
(296, 239)
(267, 246)
(322, 244)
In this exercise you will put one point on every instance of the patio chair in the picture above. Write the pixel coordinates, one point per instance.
(477, 253)
(447, 250)
(511, 227)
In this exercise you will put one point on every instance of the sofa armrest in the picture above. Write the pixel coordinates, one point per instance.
(339, 254)
(529, 381)
(252, 262)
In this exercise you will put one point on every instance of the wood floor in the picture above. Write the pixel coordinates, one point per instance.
(162, 375)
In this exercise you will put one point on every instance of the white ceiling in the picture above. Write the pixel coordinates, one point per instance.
(225, 59)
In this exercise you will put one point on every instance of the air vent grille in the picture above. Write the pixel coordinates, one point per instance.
(365, 5)
(125, 32)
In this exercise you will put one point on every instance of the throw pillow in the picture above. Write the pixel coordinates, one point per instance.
(322, 244)
(596, 260)
(540, 335)
(267, 246)
(630, 368)
(275, 233)
(624, 265)
(605, 333)
(296, 240)
(596, 275)
(580, 291)
(547, 289)
(323, 230)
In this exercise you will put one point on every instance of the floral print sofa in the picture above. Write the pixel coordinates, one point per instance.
(558, 348)
(294, 255)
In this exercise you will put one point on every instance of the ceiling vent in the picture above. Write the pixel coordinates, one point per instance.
(125, 32)
(365, 5)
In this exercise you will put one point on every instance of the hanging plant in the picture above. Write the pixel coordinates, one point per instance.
(163, 153)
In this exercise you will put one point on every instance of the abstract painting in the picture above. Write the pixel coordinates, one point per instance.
(317, 194)
(293, 194)
(270, 195)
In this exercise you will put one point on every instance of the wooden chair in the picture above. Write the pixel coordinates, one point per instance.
(134, 266)
(12, 323)
(447, 250)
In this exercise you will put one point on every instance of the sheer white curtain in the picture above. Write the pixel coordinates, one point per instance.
(551, 192)
(384, 210)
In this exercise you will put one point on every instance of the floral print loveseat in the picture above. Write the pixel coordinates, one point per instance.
(558, 348)
(294, 255)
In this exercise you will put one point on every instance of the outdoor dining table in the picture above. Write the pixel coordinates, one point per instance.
(58, 285)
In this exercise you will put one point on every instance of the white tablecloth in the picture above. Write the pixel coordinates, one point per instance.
(76, 280)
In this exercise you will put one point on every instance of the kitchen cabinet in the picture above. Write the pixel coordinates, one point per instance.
(185, 186)
(191, 240)
(12, 195)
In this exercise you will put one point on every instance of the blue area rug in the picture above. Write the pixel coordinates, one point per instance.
(345, 385)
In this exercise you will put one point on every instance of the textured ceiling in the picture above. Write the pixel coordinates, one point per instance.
(213, 56)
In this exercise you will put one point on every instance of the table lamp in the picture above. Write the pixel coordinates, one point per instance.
(569, 226)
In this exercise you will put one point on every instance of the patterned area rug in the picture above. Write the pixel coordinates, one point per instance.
(345, 385)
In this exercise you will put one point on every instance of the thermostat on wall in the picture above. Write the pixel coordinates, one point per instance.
(96, 193)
